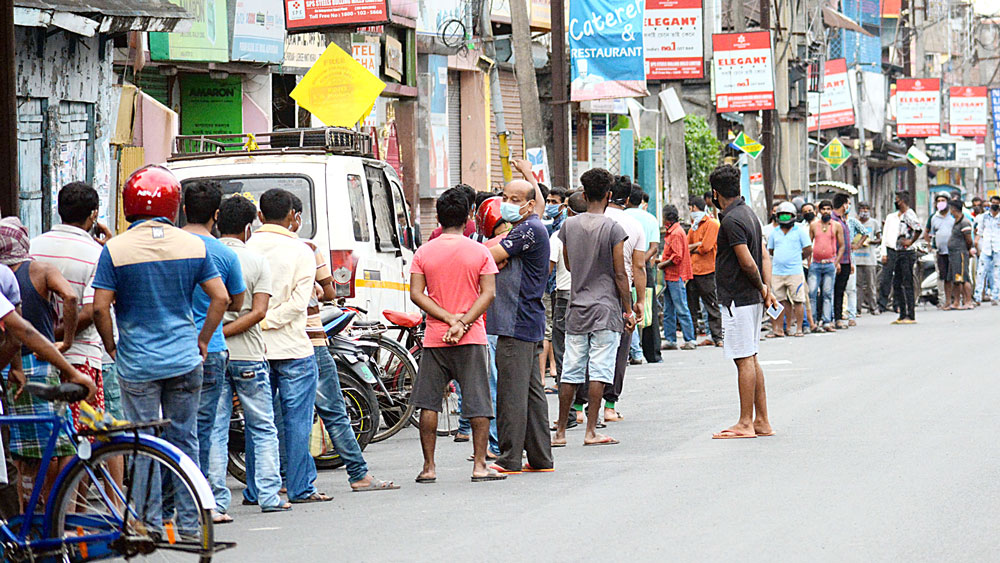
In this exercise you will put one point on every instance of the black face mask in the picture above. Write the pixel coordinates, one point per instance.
(715, 202)
(896, 203)
(809, 216)
(994, 207)
(771, 218)
(827, 218)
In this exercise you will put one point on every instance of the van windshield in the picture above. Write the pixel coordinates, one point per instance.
(251, 187)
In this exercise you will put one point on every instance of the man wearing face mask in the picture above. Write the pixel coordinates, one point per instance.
(555, 213)
(649, 340)
(517, 318)
(772, 222)
(841, 207)
(939, 226)
(902, 257)
(702, 244)
(808, 213)
(988, 243)
(864, 259)
(828, 248)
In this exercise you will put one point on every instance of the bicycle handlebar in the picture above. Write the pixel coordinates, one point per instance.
(64, 392)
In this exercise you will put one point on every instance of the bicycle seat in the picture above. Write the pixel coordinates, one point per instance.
(399, 318)
(65, 392)
(366, 324)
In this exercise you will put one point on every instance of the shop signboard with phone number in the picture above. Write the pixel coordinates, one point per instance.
(308, 15)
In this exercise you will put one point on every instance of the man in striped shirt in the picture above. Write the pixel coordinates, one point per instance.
(74, 252)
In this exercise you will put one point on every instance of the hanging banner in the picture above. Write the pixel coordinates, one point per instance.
(312, 14)
(918, 107)
(967, 111)
(834, 105)
(743, 71)
(258, 32)
(605, 41)
(206, 41)
(539, 160)
(672, 38)
(995, 103)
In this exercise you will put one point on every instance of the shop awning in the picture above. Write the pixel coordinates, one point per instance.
(833, 185)
(87, 17)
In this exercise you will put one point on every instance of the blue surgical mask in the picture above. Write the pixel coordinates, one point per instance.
(552, 210)
(510, 212)
(696, 217)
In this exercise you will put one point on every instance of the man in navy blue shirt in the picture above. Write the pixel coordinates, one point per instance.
(517, 318)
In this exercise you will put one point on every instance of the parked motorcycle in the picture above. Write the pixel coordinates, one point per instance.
(357, 374)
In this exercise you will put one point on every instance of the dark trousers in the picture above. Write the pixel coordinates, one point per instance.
(522, 411)
(650, 337)
(560, 302)
(902, 283)
(885, 284)
(839, 287)
(614, 391)
(703, 287)
(866, 287)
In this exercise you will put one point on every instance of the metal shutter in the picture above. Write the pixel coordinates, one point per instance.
(454, 128)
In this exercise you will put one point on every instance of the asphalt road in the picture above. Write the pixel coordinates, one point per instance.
(886, 449)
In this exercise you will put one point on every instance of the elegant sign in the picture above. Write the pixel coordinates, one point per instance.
(605, 42)
(672, 37)
(743, 71)
(995, 102)
(312, 14)
(918, 107)
(834, 105)
(967, 111)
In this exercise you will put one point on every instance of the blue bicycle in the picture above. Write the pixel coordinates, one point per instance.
(160, 504)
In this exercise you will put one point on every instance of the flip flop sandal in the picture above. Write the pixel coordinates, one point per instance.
(555, 445)
(376, 485)
(315, 497)
(220, 519)
(461, 438)
(527, 468)
(248, 503)
(489, 457)
(731, 435)
(608, 442)
(425, 480)
(488, 477)
(504, 470)
(279, 508)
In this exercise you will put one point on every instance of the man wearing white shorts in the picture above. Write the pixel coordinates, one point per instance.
(743, 268)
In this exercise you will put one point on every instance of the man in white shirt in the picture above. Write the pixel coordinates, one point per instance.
(988, 243)
(890, 232)
(289, 352)
(635, 266)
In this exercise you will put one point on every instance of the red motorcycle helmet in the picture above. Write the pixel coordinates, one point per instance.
(488, 215)
(151, 191)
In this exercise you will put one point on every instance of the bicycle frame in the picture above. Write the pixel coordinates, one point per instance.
(59, 423)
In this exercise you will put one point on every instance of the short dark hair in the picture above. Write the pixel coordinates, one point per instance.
(577, 202)
(544, 189)
(956, 204)
(839, 200)
(725, 179)
(275, 204)
(994, 198)
(670, 213)
(635, 196)
(903, 195)
(560, 193)
(201, 201)
(296, 203)
(452, 208)
(77, 200)
(977, 198)
(809, 203)
(645, 197)
(695, 201)
(469, 192)
(235, 213)
(621, 190)
(864, 205)
(597, 183)
(942, 195)
(483, 196)
(825, 203)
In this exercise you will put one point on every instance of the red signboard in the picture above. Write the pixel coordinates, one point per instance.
(744, 71)
(301, 15)
(918, 107)
(967, 115)
(672, 35)
(834, 107)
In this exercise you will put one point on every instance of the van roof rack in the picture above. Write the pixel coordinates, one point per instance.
(332, 140)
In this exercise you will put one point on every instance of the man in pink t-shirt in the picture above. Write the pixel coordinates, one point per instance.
(458, 276)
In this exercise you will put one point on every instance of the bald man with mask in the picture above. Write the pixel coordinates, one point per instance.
(517, 318)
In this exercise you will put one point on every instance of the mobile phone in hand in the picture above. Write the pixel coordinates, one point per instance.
(775, 311)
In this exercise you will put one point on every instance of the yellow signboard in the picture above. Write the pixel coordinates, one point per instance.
(337, 89)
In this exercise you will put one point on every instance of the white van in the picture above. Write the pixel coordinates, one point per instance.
(353, 205)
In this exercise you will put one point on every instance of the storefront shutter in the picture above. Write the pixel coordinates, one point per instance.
(454, 128)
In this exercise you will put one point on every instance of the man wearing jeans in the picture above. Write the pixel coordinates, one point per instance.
(828, 248)
(988, 243)
(151, 272)
(201, 208)
(246, 373)
(600, 308)
(676, 266)
(289, 351)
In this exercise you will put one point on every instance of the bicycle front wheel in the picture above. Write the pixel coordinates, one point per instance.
(399, 371)
(153, 513)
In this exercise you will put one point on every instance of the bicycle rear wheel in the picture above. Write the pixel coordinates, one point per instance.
(155, 513)
(399, 372)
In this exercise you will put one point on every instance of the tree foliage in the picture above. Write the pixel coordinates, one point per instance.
(702, 153)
